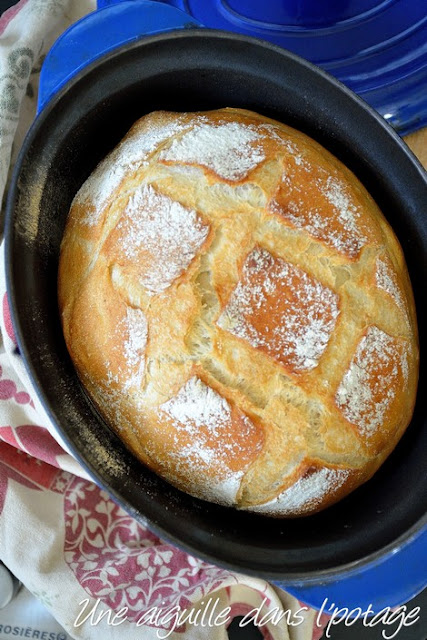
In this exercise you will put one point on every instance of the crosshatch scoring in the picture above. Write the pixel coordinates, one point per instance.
(240, 311)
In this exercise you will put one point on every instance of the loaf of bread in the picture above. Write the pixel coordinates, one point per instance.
(240, 311)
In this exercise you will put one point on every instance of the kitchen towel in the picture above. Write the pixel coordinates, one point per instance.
(99, 571)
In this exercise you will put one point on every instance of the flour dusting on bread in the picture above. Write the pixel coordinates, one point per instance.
(130, 155)
(135, 342)
(386, 279)
(197, 405)
(346, 210)
(325, 208)
(240, 311)
(230, 149)
(162, 233)
(370, 384)
(205, 418)
(307, 493)
(280, 309)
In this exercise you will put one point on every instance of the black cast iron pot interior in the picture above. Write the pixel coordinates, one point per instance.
(196, 70)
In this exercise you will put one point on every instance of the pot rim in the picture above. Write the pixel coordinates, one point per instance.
(307, 577)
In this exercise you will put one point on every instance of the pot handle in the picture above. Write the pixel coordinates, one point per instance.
(116, 22)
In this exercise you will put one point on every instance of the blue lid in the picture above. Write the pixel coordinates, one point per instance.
(114, 23)
(378, 48)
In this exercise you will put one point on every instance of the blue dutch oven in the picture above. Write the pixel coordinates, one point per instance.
(133, 57)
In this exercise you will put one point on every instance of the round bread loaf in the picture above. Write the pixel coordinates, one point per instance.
(240, 311)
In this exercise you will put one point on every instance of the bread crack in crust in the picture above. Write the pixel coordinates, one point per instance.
(240, 311)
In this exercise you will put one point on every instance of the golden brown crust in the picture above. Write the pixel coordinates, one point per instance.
(240, 311)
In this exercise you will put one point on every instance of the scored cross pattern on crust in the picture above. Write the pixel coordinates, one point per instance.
(275, 362)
